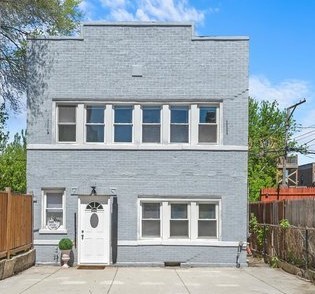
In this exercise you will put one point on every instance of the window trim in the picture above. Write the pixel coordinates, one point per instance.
(188, 219)
(75, 106)
(217, 123)
(132, 124)
(44, 229)
(193, 217)
(160, 124)
(137, 125)
(189, 124)
(141, 219)
(207, 219)
(94, 124)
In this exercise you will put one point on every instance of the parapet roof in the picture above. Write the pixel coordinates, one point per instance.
(146, 24)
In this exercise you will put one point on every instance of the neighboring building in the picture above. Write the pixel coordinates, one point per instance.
(291, 174)
(137, 144)
(307, 174)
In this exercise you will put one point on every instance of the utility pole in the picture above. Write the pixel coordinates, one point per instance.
(290, 111)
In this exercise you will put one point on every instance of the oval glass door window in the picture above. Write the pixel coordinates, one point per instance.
(94, 220)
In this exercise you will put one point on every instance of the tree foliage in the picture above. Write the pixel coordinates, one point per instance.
(267, 125)
(23, 18)
(13, 165)
(4, 135)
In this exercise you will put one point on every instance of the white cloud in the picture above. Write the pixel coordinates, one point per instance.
(154, 10)
(286, 93)
(88, 9)
(121, 14)
(114, 3)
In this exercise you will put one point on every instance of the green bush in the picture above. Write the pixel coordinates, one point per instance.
(284, 224)
(65, 244)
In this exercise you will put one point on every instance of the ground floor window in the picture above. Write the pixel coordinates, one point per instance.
(179, 219)
(53, 209)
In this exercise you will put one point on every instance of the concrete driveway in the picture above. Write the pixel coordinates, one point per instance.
(51, 279)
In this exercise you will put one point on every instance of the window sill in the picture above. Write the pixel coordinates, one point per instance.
(129, 146)
(179, 242)
(53, 232)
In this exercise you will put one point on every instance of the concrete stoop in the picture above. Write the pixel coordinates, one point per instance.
(16, 264)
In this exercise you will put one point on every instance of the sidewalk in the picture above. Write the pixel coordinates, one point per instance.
(51, 279)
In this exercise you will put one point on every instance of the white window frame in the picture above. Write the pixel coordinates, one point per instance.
(208, 219)
(141, 219)
(181, 124)
(217, 123)
(152, 124)
(188, 219)
(94, 124)
(44, 229)
(137, 124)
(132, 124)
(193, 217)
(76, 123)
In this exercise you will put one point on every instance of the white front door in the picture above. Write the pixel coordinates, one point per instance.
(94, 230)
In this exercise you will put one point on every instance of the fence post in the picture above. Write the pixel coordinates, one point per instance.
(264, 240)
(306, 248)
(9, 212)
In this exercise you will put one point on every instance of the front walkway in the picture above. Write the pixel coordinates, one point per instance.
(51, 279)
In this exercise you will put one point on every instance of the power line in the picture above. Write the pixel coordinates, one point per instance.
(309, 127)
(302, 135)
(309, 141)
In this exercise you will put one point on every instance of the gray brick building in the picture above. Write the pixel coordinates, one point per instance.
(137, 144)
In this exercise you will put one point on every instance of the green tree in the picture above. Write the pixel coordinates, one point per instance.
(4, 135)
(20, 19)
(13, 165)
(266, 143)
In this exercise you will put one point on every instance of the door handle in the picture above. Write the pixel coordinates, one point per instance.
(82, 235)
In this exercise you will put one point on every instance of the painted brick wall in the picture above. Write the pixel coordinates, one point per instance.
(187, 173)
(176, 67)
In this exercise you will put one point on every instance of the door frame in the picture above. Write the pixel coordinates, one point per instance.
(106, 201)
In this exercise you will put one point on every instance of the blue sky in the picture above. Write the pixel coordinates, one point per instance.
(282, 43)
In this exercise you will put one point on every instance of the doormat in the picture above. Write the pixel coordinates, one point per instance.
(91, 267)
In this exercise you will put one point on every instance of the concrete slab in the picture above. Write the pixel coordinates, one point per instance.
(52, 279)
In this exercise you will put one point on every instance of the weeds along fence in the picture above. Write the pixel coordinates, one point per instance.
(294, 243)
(15, 223)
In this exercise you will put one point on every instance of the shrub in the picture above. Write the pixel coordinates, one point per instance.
(284, 224)
(65, 244)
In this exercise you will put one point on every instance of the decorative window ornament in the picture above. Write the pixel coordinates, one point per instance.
(53, 224)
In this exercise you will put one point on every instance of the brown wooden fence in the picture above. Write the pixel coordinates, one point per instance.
(294, 245)
(15, 223)
(300, 213)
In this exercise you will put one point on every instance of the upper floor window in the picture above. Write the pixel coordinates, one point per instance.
(95, 124)
(67, 123)
(123, 124)
(151, 124)
(179, 124)
(207, 124)
(159, 125)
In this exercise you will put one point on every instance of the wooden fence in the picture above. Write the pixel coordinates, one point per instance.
(300, 213)
(294, 245)
(15, 223)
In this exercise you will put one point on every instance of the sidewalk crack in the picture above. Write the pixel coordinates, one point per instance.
(111, 284)
(40, 281)
(182, 282)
